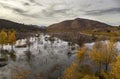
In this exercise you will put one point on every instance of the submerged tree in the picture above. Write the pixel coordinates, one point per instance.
(81, 54)
(11, 38)
(3, 38)
(71, 72)
(96, 54)
(28, 43)
(103, 54)
(79, 70)
(51, 39)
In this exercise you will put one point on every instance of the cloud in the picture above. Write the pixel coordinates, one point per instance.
(102, 12)
(50, 11)
(13, 8)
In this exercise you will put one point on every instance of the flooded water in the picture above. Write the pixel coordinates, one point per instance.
(44, 57)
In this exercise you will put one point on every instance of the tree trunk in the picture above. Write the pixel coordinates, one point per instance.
(12, 47)
(2, 47)
(106, 67)
(99, 67)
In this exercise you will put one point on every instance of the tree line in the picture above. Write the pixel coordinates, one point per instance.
(7, 37)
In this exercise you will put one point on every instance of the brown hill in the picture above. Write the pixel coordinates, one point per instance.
(81, 31)
(78, 25)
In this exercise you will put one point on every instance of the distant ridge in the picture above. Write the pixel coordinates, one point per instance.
(78, 24)
(6, 24)
(22, 30)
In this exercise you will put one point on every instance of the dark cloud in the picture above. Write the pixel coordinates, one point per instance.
(26, 4)
(36, 3)
(51, 12)
(101, 12)
(13, 8)
(32, 1)
(118, 1)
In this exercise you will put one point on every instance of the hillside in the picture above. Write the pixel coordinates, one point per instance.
(83, 30)
(79, 24)
(22, 30)
(6, 24)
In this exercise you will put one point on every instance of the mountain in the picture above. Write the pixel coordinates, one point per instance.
(83, 30)
(7, 25)
(78, 24)
(22, 30)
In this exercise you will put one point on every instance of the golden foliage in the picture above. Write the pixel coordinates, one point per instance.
(71, 72)
(104, 53)
(81, 53)
(78, 72)
(115, 70)
(96, 53)
(3, 37)
(11, 37)
(90, 77)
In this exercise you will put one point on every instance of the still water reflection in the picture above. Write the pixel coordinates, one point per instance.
(42, 56)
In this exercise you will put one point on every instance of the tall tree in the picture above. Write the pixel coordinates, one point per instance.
(103, 54)
(3, 38)
(79, 70)
(11, 38)
(28, 43)
(81, 54)
(71, 72)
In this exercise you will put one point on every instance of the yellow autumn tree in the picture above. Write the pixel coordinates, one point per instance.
(81, 54)
(103, 54)
(71, 72)
(90, 77)
(115, 69)
(11, 38)
(3, 38)
(96, 54)
(110, 54)
(78, 69)
(77, 72)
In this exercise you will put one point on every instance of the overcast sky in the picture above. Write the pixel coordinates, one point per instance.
(47, 12)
